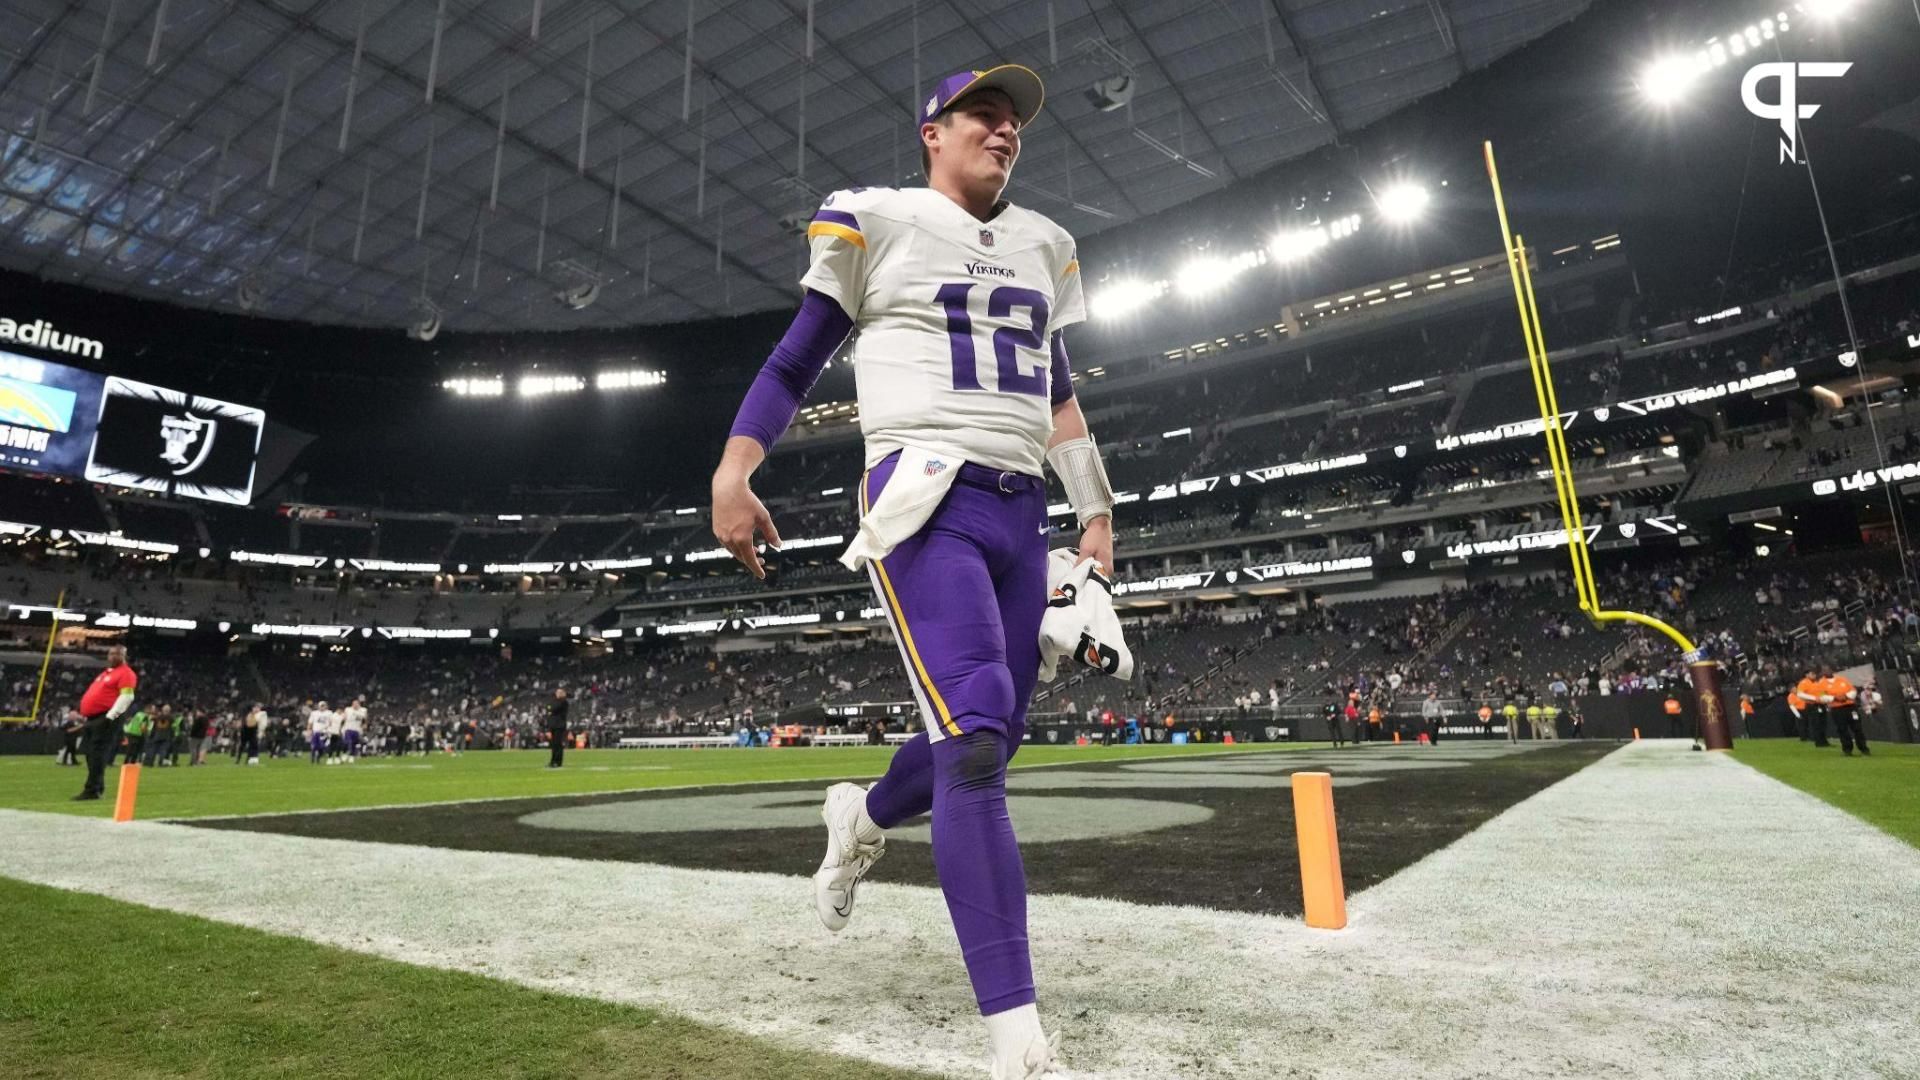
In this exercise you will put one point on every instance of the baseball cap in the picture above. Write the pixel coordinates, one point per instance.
(1018, 83)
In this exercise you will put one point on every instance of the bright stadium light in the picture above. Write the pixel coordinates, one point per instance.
(1126, 297)
(1404, 203)
(1208, 274)
(1667, 80)
(538, 385)
(1826, 9)
(628, 380)
(490, 386)
(1298, 243)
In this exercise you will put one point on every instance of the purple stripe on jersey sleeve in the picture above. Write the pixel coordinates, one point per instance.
(792, 369)
(1062, 372)
(838, 217)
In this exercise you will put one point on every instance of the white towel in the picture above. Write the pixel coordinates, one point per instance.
(920, 480)
(1079, 621)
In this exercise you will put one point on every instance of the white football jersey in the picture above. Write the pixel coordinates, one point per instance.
(953, 320)
(319, 722)
(353, 718)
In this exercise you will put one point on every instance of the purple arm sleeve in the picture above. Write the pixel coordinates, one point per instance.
(1062, 372)
(792, 369)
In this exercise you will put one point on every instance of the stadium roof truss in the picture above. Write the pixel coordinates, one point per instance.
(340, 161)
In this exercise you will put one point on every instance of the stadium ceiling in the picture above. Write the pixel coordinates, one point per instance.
(558, 164)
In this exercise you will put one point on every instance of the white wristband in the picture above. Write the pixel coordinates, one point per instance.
(1077, 463)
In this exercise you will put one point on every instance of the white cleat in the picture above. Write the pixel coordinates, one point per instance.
(847, 859)
(1041, 1059)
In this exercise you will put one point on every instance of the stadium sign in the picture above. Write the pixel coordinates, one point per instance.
(423, 633)
(762, 622)
(117, 621)
(1551, 538)
(1305, 468)
(391, 566)
(309, 630)
(29, 611)
(1307, 568)
(264, 558)
(115, 540)
(1170, 583)
(704, 626)
(618, 564)
(1660, 402)
(523, 568)
(1515, 430)
(40, 334)
(1865, 480)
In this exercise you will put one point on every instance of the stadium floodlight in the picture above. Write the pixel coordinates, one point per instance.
(1125, 297)
(1825, 9)
(1208, 274)
(628, 380)
(1298, 243)
(1667, 80)
(488, 386)
(1404, 203)
(538, 385)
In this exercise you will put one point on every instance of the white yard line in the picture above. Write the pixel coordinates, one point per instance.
(1658, 914)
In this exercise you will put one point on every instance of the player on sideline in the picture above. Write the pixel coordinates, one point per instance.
(319, 728)
(959, 298)
(353, 725)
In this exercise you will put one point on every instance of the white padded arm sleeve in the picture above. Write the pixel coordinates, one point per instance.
(1077, 463)
(120, 705)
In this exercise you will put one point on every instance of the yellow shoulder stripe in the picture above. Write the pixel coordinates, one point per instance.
(828, 228)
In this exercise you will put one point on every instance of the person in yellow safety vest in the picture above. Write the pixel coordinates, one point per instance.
(1550, 718)
(1486, 720)
(1843, 703)
(1673, 709)
(1511, 714)
(1813, 708)
(1533, 721)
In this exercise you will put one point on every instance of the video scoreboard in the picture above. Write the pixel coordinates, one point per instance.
(112, 430)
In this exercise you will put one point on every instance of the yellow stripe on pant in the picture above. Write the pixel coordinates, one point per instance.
(899, 620)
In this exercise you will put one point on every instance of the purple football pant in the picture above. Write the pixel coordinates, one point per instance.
(964, 597)
(352, 739)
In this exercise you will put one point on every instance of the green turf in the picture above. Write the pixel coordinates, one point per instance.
(96, 988)
(221, 787)
(1883, 790)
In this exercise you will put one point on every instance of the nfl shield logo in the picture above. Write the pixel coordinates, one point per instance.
(986, 237)
(935, 468)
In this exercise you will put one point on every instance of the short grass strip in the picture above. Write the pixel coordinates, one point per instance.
(1883, 789)
(96, 989)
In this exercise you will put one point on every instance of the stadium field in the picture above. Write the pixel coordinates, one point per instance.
(1883, 789)
(291, 784)
(1575, 895)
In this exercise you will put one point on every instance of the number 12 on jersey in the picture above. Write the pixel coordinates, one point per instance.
(1019, 349)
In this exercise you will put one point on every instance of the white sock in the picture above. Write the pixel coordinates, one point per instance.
(864, 830)
(1009, 1033)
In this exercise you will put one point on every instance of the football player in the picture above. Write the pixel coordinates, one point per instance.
(959, 299)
